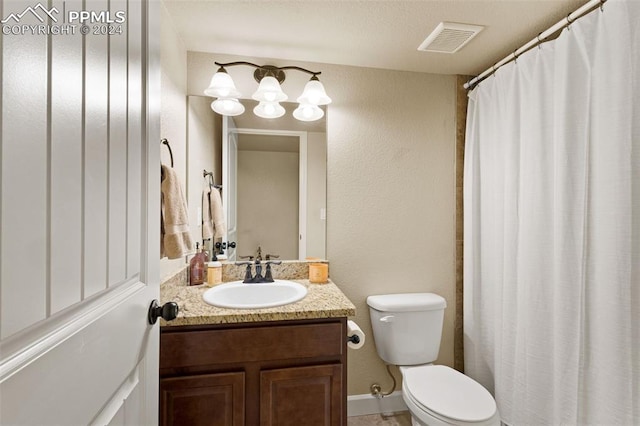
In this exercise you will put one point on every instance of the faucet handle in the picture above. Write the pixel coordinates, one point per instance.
(268, 277)
(247, 274)
(269, 256)
(246, 257)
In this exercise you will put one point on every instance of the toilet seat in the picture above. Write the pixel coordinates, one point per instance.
(448, 395)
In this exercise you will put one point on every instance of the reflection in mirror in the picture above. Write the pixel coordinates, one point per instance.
(274, 183)
(268, 193)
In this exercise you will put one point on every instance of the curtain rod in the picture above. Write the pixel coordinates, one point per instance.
(586, 8)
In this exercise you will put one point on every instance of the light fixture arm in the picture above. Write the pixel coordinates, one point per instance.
(268, 70)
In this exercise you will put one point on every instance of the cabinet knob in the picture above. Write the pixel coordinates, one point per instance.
(168, 311)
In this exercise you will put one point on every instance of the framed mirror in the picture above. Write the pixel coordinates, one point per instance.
(273, 177)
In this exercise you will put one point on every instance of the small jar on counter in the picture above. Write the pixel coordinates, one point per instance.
(318, 273)
(214, 273)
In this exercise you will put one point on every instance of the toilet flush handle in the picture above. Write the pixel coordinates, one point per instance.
(387, 318)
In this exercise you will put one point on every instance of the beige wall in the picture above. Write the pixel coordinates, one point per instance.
(173, 60)
(317, 194)
(390, 186)
(390, 224)
(268, 203)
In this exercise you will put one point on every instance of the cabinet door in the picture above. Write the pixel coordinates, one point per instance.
(207, 399)
(310, 396)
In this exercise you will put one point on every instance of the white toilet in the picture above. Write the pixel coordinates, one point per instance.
(407, 329)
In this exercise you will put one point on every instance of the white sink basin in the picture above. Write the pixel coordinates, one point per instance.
(238, 295)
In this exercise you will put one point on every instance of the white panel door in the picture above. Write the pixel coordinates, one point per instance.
(79, 213)
(230, 181)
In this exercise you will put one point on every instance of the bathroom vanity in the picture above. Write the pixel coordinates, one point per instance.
(278, 366)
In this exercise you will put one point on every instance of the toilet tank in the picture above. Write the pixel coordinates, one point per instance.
(407, 328)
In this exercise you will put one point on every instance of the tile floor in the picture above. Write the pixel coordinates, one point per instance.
(398, 419)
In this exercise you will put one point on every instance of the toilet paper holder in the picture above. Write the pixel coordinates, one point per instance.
(354, 339)
(355, 336)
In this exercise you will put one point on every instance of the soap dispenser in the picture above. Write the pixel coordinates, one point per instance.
(196, 267)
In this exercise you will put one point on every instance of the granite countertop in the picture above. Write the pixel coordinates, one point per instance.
(321, 301)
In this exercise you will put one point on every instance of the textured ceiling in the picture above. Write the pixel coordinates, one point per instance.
(377, 34)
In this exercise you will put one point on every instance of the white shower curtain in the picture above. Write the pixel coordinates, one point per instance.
(552, 227)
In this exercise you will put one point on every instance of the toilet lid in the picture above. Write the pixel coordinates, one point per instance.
(449, 393)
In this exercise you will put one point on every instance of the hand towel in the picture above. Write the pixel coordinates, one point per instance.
(207, 221)
(175, 236)
(213, 222)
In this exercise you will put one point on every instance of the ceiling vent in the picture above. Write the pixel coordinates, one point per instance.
(449, 37)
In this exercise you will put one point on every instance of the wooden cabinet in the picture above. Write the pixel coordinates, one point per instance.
(301, 396)
(271, 374)
(205, 399)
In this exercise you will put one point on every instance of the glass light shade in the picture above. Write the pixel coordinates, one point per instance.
(227, 106)
(222, 86)
(314, 94)
(308, 112)
(269, 110)
(269, 90)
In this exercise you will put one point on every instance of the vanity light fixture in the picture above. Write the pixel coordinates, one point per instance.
(269, 93)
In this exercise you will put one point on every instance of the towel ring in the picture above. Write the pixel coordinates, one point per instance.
(164, 141)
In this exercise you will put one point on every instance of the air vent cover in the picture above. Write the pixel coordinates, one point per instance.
(449, 37)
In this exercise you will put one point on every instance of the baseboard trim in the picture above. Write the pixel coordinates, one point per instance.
(362, 405)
